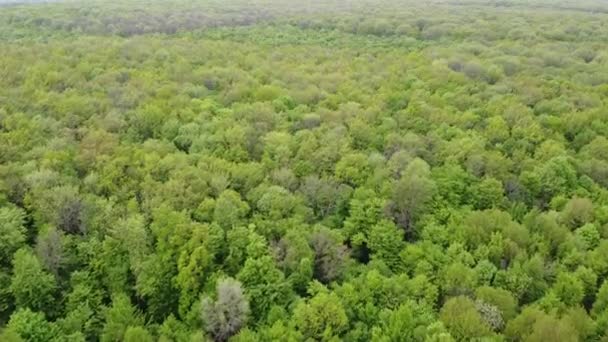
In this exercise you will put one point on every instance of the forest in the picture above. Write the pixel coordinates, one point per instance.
(323, 170)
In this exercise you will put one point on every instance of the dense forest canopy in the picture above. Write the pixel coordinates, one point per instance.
(375, 170)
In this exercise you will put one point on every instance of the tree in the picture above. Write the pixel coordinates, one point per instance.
(49, 249)
(578, 318)
(229, 209)
(500, 298)
(61, 206)
(32, 287)
(330, 255)
(137, 334)
(409, 322)
(32, 326)
(277, 147)
(557, 176)
(264, 284)
(323, 195)
(321, 318)
(295, 258)
(490, 315)
(12, 233)
(496, 129)
(84, 305)
(535, 325)
(588, 236)
(156, 284)
(411, 195)
(457, 279)
(173, 329)
(548, 328)
(146, 122)
(386, 242)
(462, 319)
(577, 212)
(119, 317)
(277, 203)
(487, 194)
(195, 263)
(452, 183)
(569, 289)
(365, 210)
(10, 336)
(7, 304)
(226, 315)
(353, 169)
(601, 301)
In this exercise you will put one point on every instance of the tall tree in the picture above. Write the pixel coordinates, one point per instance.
(227, 314)
(31, 285)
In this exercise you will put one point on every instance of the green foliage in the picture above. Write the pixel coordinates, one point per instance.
(321, 318)
(264, 285)
(389, 170)
(136, 334)
(548, 328)
(409, 322)
(535, 325)
(30, 326)
(568, 289)
(577, 212)
(121, 318)
(500, 298)
(488, 193)
(31, 286)
(353, 169)
(411, 194)
(385, 242)
(229, 209)
(462, 319)
(12, 233)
